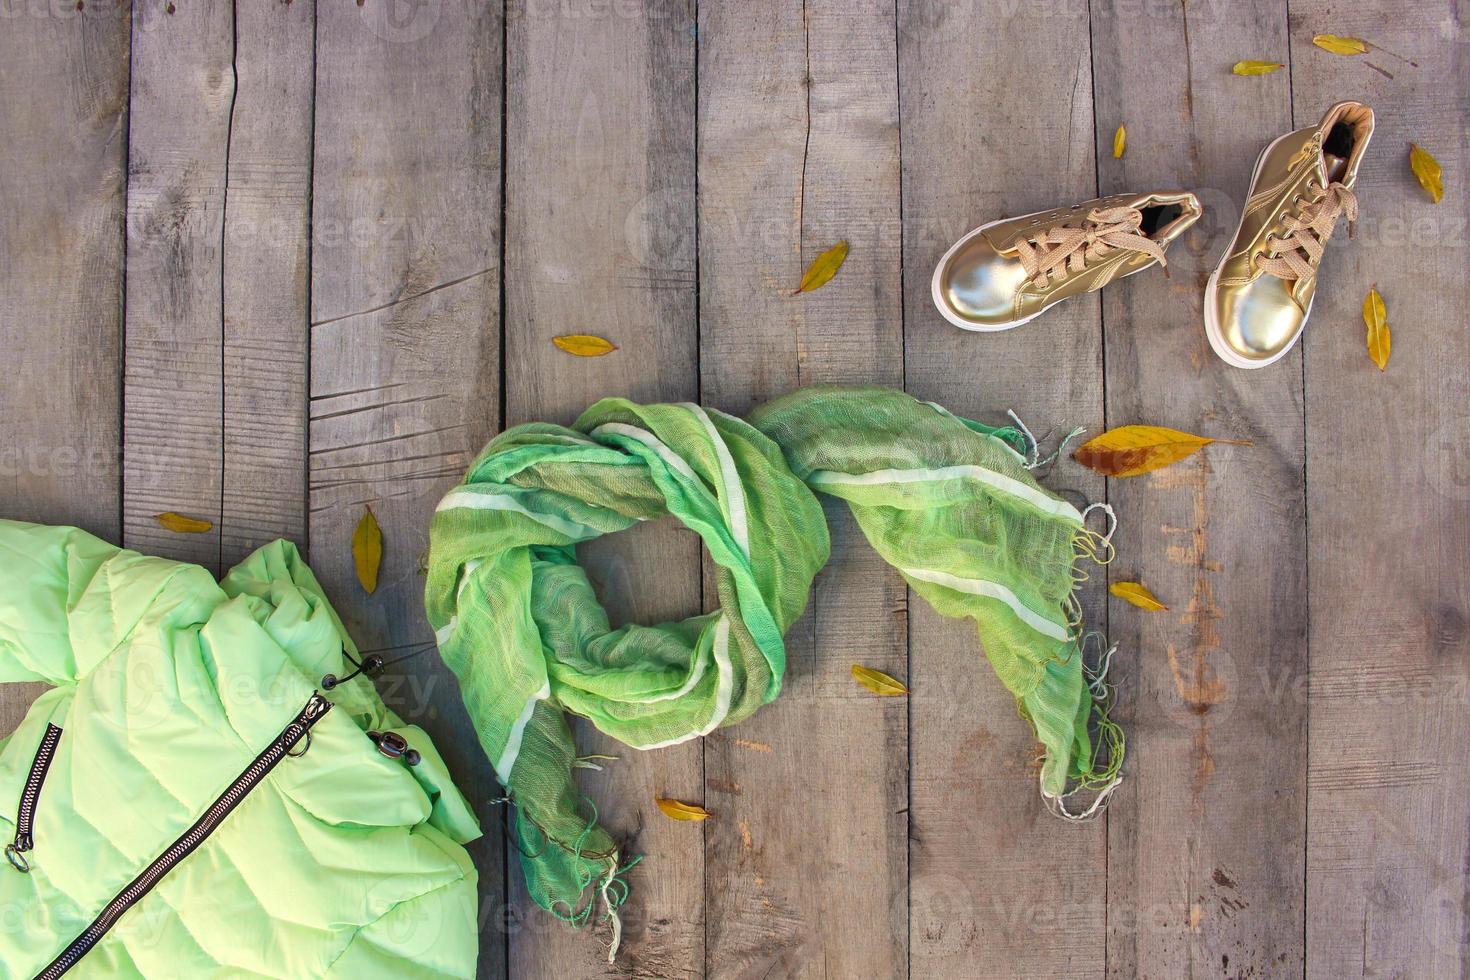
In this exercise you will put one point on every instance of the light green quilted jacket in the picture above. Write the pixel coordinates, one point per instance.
(190, 802)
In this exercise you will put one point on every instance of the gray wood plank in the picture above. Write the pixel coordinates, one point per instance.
(600, 239)
(182, 93)
(61, 254)
(1388, 846)
(1206, 836)
(806, 867)
(405, 381)
(266, 258)
(997, 121)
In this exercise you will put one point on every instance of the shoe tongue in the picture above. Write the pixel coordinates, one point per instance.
(1345, 133)
(1329, 166)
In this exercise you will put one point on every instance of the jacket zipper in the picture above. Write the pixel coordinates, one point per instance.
(298, 729)
(25, 815)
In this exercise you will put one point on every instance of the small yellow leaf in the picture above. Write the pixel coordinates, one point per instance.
(877, 681)
(1426, 168)
(1257, 67)
(367, 550)
(584, 345)
(1120, 141)
(179, 524)
(675, 810)
(1340, 45)
(823, 268)
(1134, 449)
(1137, 594)
(1380, 339)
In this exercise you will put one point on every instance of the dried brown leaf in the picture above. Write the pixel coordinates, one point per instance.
(675, 810)
(1256, 67)
(179, 524)
(823, 268)
(1340, 45)
(877, 681)
(367, 550)
(1380, 338)
(584, 345)
(1131, 450)
(1138, 595)
(1427, 170)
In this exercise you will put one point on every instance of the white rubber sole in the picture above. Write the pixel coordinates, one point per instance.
(936, 292)
(1212, 325)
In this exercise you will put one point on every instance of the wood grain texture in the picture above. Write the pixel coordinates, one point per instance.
(405, 373)
(182, 96)
(61, 262)
(1388, 842)
(600, 239)
(806, 863)
(300, 210)
(266, 260)
(1206, 836)
(997, 121)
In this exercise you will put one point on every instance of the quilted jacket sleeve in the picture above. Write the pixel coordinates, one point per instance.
(67, 599)
(431, 937)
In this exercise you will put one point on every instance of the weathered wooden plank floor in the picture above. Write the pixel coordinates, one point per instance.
(270, 262)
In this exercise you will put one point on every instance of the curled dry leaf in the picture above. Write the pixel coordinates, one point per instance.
(1427, 170)
(1340, 45)
(367, 550)
(823, 268)
(1131, 450)
(1256, 67)
(1380, 339)
(179, 524)
(1120, 142)
(877, 681)
(676, 810)
(1138, 595)
(584, 345)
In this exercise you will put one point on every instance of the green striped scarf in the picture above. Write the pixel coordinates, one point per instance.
(950, 503)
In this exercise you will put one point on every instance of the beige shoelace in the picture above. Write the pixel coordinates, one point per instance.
(1072, 247)
(1294, 253)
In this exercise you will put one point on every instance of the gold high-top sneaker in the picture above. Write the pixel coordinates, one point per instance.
(1257, 301)
(1007, 272)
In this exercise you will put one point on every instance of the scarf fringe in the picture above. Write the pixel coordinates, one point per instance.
(1096, 547)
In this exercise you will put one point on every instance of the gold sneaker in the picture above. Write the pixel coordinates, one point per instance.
(1258, 299)
(1007, 272)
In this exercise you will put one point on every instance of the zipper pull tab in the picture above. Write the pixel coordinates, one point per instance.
(315, 707)
(14, 853)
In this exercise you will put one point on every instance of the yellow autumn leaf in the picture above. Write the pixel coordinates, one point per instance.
(877, 681)
(1120, 141)
(676, 810)
(1256, 67)
(1427, 170)
(1380, 338)
(367, 550)
(1138, 595)
(179, 524)
(1131, 450)
(1340, 45)
(584, 345)
(823, 268)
